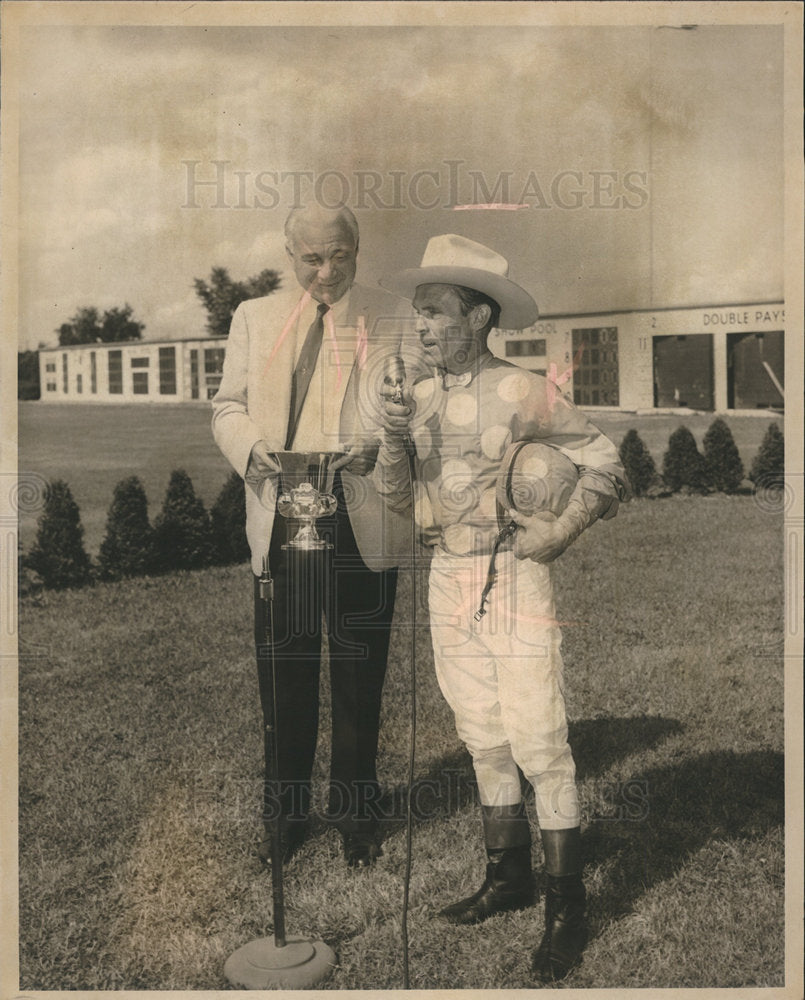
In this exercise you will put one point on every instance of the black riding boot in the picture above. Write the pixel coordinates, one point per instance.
(566, 931)
(509, 882)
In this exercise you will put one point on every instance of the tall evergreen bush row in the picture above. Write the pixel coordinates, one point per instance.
(182, 530)
(725, 470)
(184, 536)
(683, 465)
(638, 463)
(127, 548)
(58, 555)
(768, 466)
(228, 518)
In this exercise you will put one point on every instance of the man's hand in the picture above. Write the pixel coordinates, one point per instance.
(261, 463)
(359, 458)
(396, 415)
(541, 536)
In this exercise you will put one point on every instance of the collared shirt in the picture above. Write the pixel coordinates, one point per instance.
(461, 434)
(319, 422)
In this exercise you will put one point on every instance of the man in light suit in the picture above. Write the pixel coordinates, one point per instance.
(260, 410)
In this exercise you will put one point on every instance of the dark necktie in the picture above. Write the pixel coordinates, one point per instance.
(303, 373)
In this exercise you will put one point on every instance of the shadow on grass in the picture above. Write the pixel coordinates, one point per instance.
(717, 795)
(597, 744)
(448, 786)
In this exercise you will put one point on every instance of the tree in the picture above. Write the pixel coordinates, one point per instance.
(83, 328)
(28, 375)
(89, 327)
(222, 295)
(768, 466)
(683, 465)
(182, 536)
(117, 325)
(58, 554)
(127, 547)
(725, 469)
(638, 463)
(228, 517)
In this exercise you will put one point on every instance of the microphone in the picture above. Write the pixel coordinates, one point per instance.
(394, 376)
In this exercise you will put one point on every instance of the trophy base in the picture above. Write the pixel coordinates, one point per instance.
(308, 539)
(308, 545)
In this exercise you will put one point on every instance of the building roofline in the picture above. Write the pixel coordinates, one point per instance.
(543, 317)
(662, 309)
(112, 344)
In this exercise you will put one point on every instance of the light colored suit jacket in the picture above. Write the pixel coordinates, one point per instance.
(253, 401)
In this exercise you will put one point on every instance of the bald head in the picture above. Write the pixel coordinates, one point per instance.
(322, 244)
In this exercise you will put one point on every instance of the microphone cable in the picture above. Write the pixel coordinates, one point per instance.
(410, 453)
(394, 377)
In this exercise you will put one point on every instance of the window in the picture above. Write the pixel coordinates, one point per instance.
(139, 383)
(213, 360)
(51, 386)
(596, 380)
(683, 371)
(755, 370)
(50, 366)
(213, 369)
(194, 374)
(65, 386)
(140, 362)
(167, 371)
(93, 373)
(116, 373)
(79, 383)
(525, 348)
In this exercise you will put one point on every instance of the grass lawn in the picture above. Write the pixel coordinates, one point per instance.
(93, 447)
(140, 773)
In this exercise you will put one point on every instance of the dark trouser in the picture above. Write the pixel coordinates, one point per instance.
(358, 605)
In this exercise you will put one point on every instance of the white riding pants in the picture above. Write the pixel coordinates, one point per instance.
(502, 677)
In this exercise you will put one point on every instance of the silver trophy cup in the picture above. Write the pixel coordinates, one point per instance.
(306, 483)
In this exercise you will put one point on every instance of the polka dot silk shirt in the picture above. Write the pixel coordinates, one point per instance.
(461, 428)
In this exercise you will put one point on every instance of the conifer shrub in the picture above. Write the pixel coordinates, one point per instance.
(29, 582)
(725, 470)
(768, 466)
(683, 465)
(228, 518)
(182, 536)
(58, 556)
(127, 548)
(638, 463)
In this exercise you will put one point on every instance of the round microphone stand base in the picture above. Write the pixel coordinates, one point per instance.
(298, 965)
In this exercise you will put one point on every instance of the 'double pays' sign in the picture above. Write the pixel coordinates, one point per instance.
(743, 317)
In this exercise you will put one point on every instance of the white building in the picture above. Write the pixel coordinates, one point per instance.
(141, 371)
(719, 358)
(725, 358)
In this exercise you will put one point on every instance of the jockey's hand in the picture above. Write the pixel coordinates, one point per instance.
(396, 413)
(541, 537)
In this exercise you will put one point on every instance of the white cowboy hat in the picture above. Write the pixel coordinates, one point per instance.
(455, 260)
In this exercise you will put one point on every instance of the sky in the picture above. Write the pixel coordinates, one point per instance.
(649, 160)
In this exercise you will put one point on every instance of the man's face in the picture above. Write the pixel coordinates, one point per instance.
(448, 337)
(323, 254)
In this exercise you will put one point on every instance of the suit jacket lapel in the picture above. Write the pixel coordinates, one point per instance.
(275, 337)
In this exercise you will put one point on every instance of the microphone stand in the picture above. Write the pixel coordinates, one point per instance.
(279, 961)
